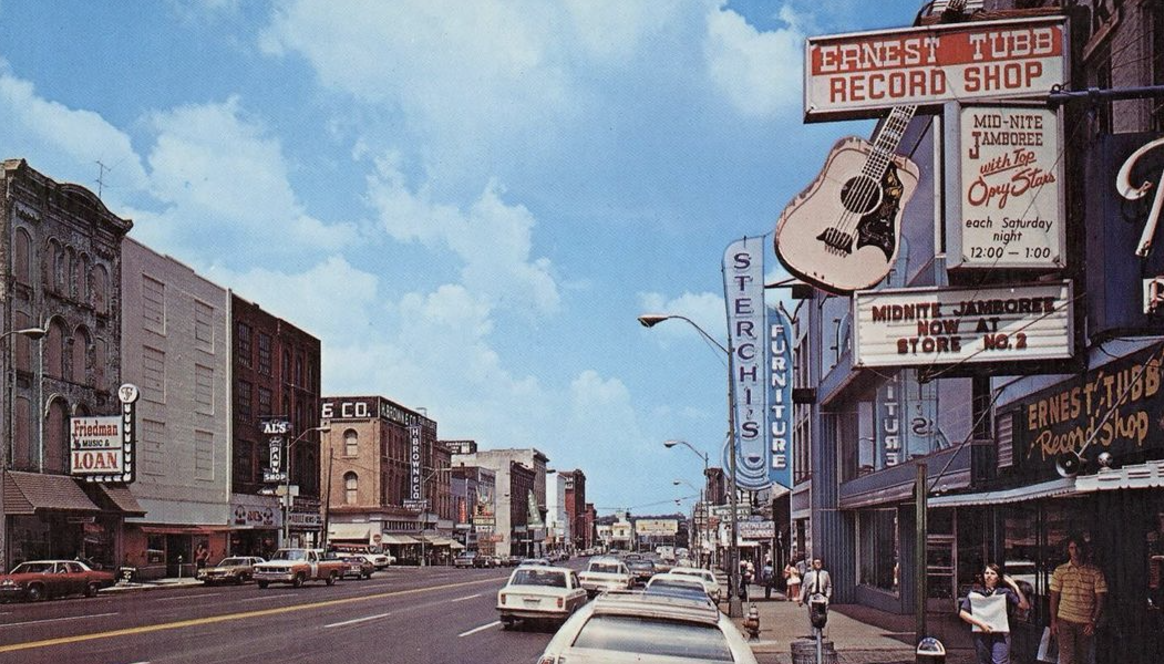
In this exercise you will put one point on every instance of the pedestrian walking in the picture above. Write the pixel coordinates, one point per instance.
(816, 582)
(768, 577)
(201, 556)
(1078, 590)
(792, 580)
(986, 610)
(745, 579)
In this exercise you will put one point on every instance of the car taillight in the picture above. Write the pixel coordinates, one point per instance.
(548, 659)
(501, 598)
(561, 602)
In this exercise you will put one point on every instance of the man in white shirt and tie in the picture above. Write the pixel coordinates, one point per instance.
(815, 582)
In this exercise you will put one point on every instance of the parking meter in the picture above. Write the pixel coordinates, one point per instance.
(818, 610)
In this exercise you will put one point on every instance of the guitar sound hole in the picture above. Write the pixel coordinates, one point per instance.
(861, 195)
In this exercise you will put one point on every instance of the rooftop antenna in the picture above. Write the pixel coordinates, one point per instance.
(101, 176)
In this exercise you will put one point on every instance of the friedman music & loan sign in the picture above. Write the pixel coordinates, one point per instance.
(862, 74)
(941, 326)
(95, 446)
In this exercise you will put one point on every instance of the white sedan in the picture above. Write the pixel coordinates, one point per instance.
(540, 593)
(710, 584)
(631, 627)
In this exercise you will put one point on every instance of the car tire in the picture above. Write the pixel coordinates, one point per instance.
(91, 590)
(366, 575)
(331, 579)
(262, 584)
(297, 582)
(507, 624)
(35, 593)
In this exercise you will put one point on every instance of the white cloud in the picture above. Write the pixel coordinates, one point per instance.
(63, 142)
(705, 309)
(611, 30)
(760, 73)
(492, 238)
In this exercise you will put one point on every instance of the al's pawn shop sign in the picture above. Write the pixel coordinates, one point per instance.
(101, 449)
(941, 326)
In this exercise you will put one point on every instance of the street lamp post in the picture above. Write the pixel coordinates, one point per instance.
(702, 492)
(735, 607)
(424, 510)
(695, 517)
(33, 334)
(324, 428)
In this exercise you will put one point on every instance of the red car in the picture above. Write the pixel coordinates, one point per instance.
(42, 579)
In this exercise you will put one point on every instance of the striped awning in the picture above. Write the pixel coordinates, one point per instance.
(350, 531)
(399, 539)
(1139, 476)
(1063, 486)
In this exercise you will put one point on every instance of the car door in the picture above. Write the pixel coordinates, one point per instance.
(577, 596)
(60, 582)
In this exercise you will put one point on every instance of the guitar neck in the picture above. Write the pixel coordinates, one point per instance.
(888, 138)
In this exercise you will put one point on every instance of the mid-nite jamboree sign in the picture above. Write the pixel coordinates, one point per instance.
(859, 75)
(928, 326)
(1010, 212)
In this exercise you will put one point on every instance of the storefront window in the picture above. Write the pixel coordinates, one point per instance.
(877, 555)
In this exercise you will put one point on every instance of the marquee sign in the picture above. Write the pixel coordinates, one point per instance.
(1010, 213)
(928, 326)
(101, 449)
(862, 74)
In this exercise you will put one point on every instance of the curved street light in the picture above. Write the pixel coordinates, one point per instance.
(735, 607)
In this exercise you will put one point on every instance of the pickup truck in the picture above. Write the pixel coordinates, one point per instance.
(298, 566)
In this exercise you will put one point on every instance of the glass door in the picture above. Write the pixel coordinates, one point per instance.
(941, 577)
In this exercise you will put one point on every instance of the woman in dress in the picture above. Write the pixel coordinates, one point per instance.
(792, 580)
(992, 625)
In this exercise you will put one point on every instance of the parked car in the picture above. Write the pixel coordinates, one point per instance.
(296, 567)
(466, 559)
(511, 561)
(644, 627)
(679, 585)
(710, 584)
(236, 569)
(483, 561)
(36, 580)
(539, 592)
(356, 565)
(604, 574)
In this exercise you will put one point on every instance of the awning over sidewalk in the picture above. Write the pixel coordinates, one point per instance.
(441, 541)
(121, 499)
(1140, 476)
(350, 531)
(399, 540)
(1063, 486)
(28, 493)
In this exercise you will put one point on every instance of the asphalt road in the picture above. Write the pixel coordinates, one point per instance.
(410, 615)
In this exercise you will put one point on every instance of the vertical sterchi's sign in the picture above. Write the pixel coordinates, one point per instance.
(743, 282)
(414, 463)
(780, 395)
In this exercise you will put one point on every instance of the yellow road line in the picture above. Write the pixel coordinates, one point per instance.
(180, 624)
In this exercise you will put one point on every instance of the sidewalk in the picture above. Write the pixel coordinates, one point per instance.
(123, 586)
(860, 635)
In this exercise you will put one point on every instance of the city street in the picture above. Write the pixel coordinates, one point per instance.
(435, 614)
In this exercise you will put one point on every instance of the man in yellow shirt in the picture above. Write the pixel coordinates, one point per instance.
(1078, 590)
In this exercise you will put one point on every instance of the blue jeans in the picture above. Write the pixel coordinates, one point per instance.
(992, 648)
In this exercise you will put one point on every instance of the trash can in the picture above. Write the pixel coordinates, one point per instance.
(804, 652)
(931, 651)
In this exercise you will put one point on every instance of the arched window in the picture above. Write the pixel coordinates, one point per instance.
(100, 289)
(68, 273)
(53, 258)
(54, 350)
(82, 362)
(351, 443)
(83, 279)
(22, 257)
(351, 488)
(23, 343)
(56, 439)
(100, 357)
(23, 454)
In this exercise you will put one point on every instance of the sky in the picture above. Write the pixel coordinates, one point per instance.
(468, 203)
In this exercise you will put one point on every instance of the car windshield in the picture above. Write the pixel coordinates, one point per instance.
(33, 568)
(706, 576)
(641, 564)
(675, 583)
(231, 562)
(289, 554)
(539, 577)
(646, 636)
(604, 568)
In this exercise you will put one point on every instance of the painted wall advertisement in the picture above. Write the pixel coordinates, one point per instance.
(937, 326)
(1117, 408)
(1010, 212)
(862, 74)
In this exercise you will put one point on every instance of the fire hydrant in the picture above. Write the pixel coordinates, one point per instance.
(752, 622)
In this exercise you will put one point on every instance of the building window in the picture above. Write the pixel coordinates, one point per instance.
(242, 401)
(877, 548)
(264, 353)
(351, 443)
(203, 390)
(152, 453)
(265, 402)
(153, 305)
(244, 344)
(100, 356)
(153, 373)
(22, 257)
(244, 463)
(81, 355)
(100, 289)
(203, 326)
(286, 377)
(54, 354)
(351, 488)
(204, 455)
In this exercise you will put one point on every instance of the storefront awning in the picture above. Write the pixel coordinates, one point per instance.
(1063, 486)
(29, 493)
(350, 531)
(180, 529)
(1140, 476)
(440, 541)
(399, 539)
(456, 546)
(122, 499)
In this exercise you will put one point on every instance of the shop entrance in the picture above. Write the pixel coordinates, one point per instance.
(941, 565)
